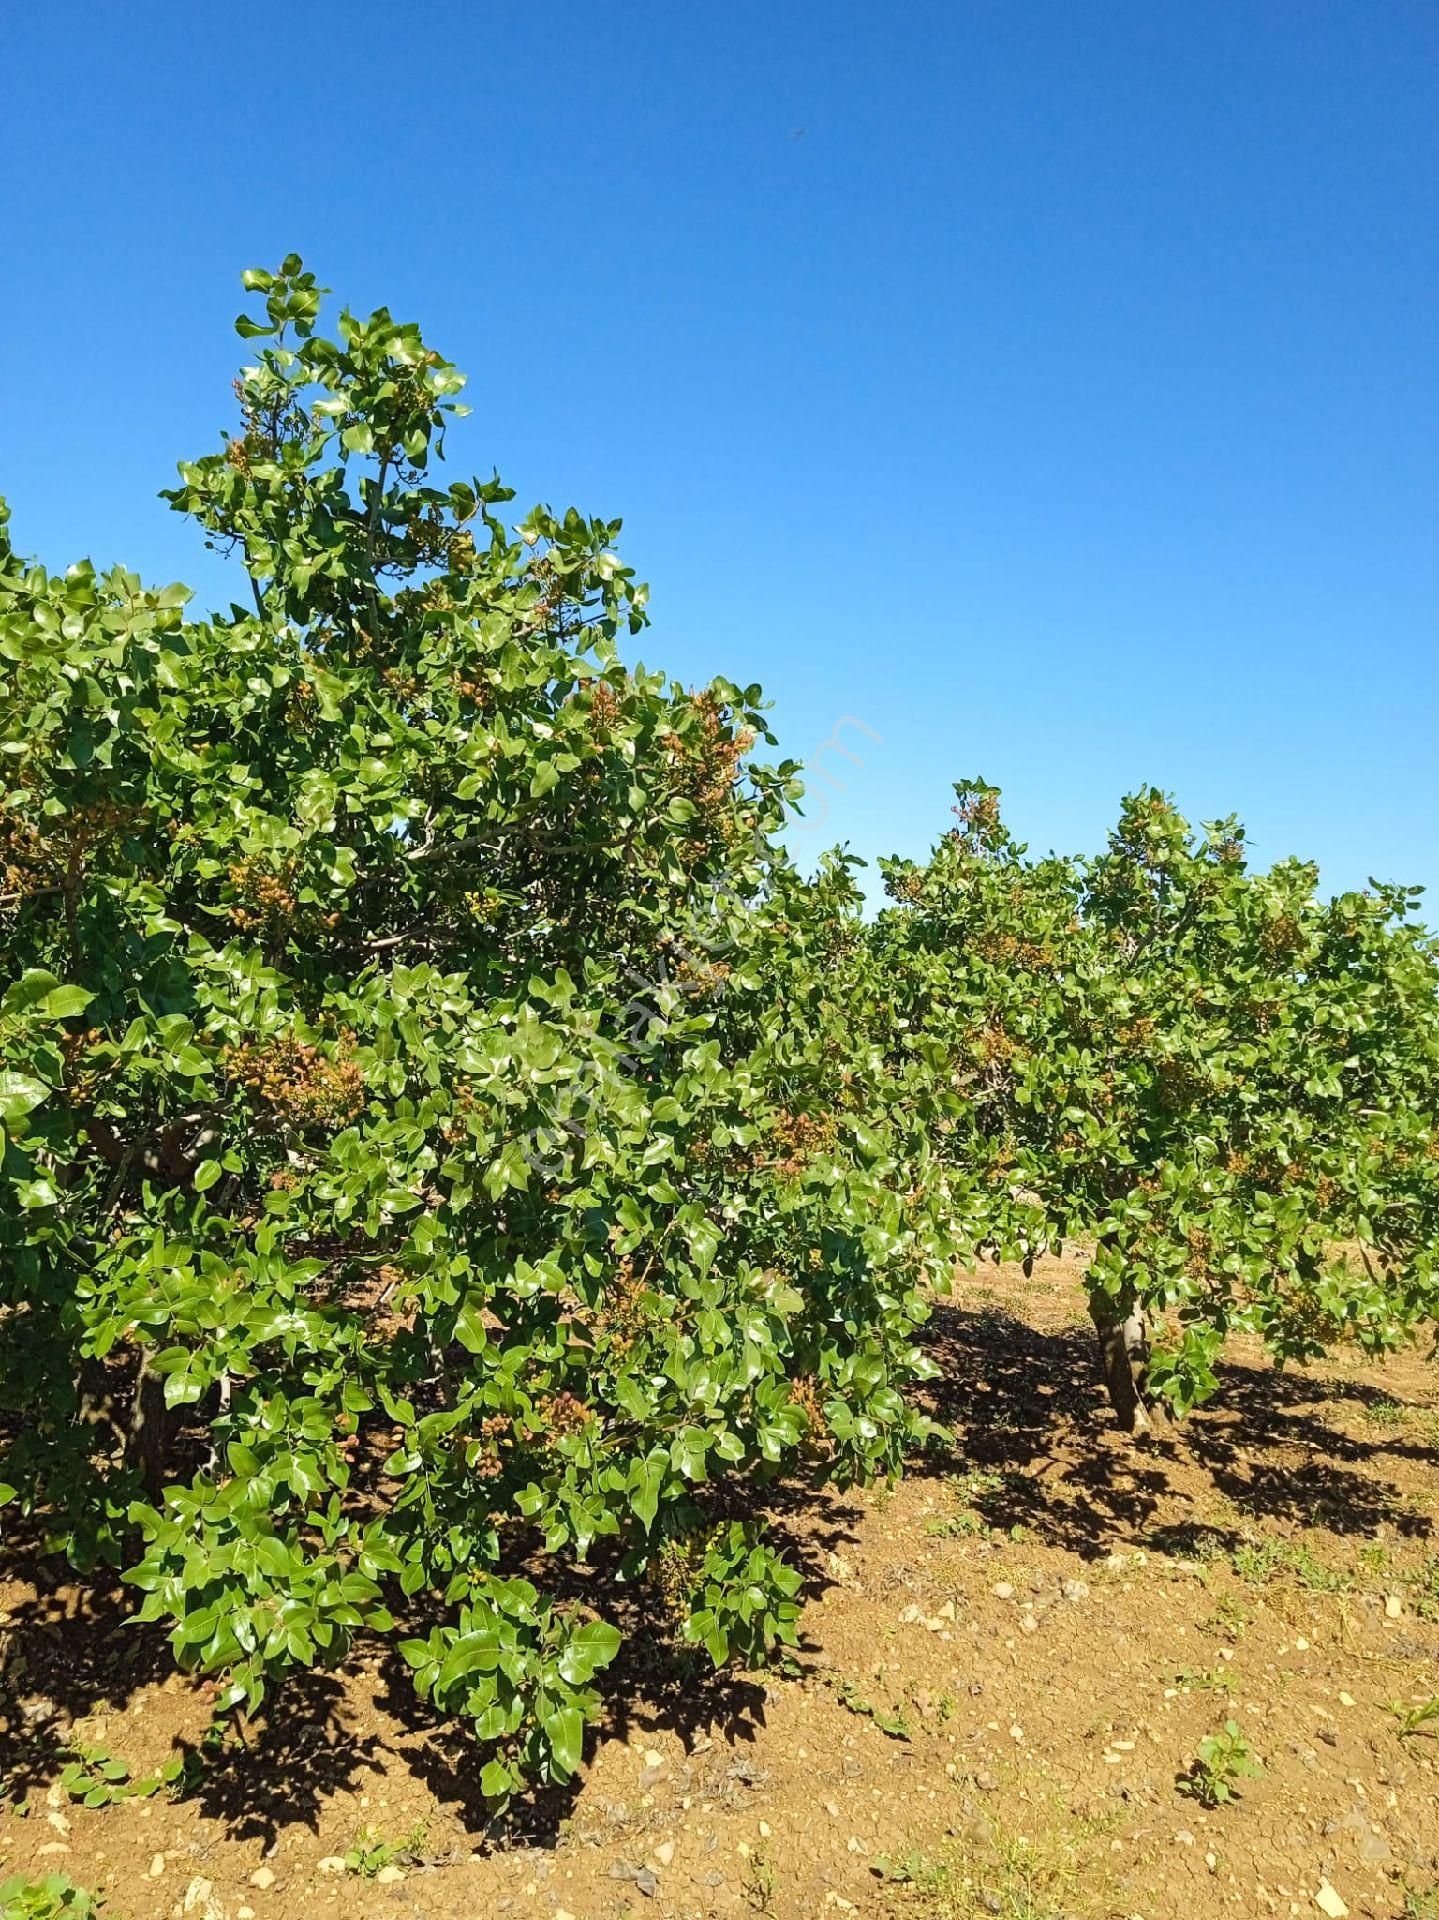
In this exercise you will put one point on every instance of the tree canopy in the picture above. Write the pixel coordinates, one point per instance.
(1224, 1085)
(432, 1143)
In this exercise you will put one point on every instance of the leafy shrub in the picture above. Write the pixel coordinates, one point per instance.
(1225, 1085)
(433, 1138)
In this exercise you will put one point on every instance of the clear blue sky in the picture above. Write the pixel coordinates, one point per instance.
(1051, 386)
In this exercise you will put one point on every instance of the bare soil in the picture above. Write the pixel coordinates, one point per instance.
(1009, 1664)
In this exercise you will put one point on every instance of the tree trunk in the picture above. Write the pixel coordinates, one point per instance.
(152, 1429)
(1124, 1356)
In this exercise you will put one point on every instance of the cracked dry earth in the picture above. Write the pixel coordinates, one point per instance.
(1009, 1664)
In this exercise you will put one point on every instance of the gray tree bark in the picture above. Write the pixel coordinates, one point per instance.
(1124, 1355)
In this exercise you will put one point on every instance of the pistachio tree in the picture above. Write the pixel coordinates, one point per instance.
(434, 1149)
(1221, 1084)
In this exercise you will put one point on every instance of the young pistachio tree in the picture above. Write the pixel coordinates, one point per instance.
(1224, 1085)
(431, 1143)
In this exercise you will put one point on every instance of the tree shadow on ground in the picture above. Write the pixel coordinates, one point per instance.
(652, 1689)
(68, 1652)
(64, 1652)
(1033, 1427)
(297, 1754)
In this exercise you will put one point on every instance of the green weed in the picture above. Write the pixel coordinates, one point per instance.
(758, 1882)
(1423, 1718)
(1214, 1679)
(1425, 1584)
(895, 1723)
(97, 1778)
(53, 1898)
(1223, 1759)
(1259, 1562)
(371, 1854)
(1230, 1617)
(955, 1526)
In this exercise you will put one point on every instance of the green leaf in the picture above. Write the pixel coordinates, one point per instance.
(497, 1780)
(647, 1478)
(20, 1095)
(63, 1003)
(470, 1653)
(565, 1731)
(588, 1649)
(31, 989)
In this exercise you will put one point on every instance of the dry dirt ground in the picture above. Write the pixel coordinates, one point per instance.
(1009, 1662)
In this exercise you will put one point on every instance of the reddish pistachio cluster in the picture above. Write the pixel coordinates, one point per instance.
(798, 1137)
(1282, 938)
(257, 444)
(705, 771)
(431, 538)
(564, 1413)
(24, 859)
(483, 1450)
(401, 685)
(454, 1127)
(1006, 950)
(620, 1320)
(979, 814)
(1177, 1084)
(702, 976)
(266, 900)
(604, 708)
(299, 1082)
(478, 692)
(80, 1084)
(805, 1394)
(32, 862)
(672, 1572)
(993, 1045)
(300, 708)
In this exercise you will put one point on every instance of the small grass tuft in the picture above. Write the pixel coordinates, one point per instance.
(1230, 1617)
(1385, 1412)
(1057, 1870)
(1257, 1562)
